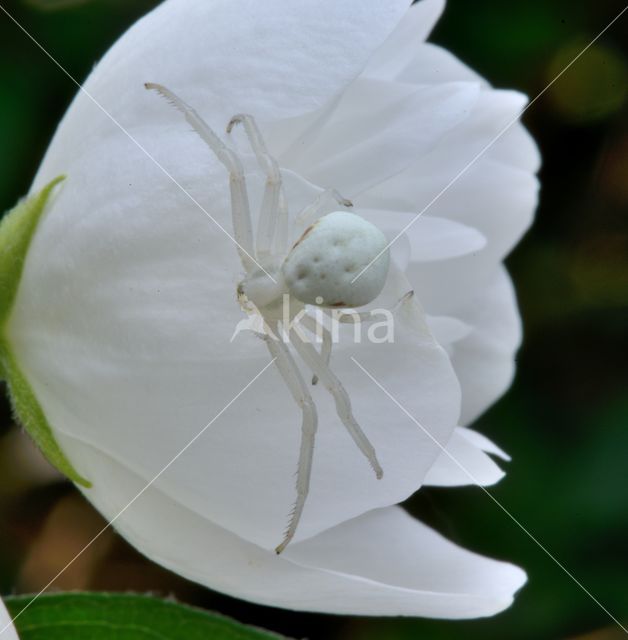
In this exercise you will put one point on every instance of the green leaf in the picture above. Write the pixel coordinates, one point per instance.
(16, 232)
(105, 616)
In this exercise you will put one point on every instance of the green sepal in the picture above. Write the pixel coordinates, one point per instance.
(16, 232)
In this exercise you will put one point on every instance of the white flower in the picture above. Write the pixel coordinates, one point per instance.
(7, 630)
(126, 307)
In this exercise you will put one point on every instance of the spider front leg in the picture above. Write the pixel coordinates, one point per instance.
(241, 212)
(273, 211)
(294, 380)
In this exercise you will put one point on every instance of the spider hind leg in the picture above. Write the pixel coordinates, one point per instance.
(296, 384)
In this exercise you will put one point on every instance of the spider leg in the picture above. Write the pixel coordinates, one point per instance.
(273, 212)
(294, 380)
(343, 404)
(308, 214)
(242, 226)
(337, 316)
(366, 316)
(281, 238)
(318, 328)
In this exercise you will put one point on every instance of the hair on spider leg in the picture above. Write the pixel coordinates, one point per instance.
(163, 92)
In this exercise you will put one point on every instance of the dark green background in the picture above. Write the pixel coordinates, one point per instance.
(564, 420)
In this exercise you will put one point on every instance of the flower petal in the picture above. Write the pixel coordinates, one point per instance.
(484, 360)
(430, 238)
(498, 201)
(456, 153)
(465, 461)
(274, 60)
(370, 138)
(440, 239)
(7, 630)
(392, 549)
(383, 563)
(448, 330)
(433, 65)
(405, 41)
(482, 442)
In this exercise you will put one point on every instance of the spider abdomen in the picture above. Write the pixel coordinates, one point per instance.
(340, 261)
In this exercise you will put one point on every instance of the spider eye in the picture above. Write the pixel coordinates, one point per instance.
(330, 255)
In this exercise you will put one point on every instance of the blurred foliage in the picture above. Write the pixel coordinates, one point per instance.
(565, 418)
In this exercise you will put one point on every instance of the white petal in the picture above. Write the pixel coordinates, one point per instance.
(5, 621)
(276, 59)
(434, 65)
(388, 547)
(482, 442)
(448, 330)
(484, 360)
(430, 238)
(456, 153)
(441, 239)
(465, 461)
(384, 563)
(405, 41)
(368, 138)
(495, 121)
(400, 249)
(324, 132)
(497, 200)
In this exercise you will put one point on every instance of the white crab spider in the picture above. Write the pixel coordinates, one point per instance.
(317, 270)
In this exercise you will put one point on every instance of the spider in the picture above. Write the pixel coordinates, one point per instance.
(319, 269)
